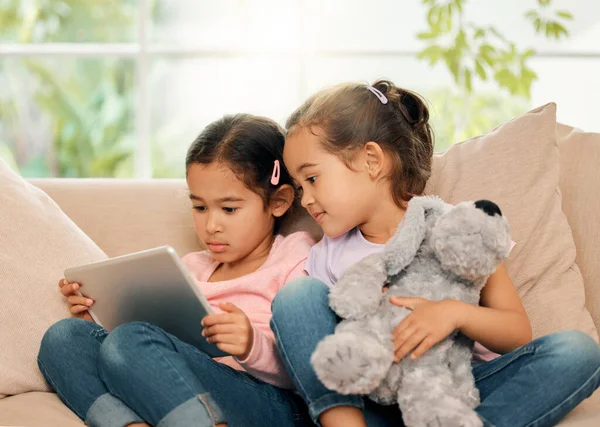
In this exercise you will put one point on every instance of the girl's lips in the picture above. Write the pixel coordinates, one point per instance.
(318, 216)
(217, 247)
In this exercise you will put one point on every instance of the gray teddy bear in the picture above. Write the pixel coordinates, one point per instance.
(438, 252)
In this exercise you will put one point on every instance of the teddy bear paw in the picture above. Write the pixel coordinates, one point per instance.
(351, 364)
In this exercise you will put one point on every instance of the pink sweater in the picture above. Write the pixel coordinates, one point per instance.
(253, 294)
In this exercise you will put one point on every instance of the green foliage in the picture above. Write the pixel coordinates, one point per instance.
(551, 27)
(86, 104)
(456, 116)
(67, 21)
(473, 52)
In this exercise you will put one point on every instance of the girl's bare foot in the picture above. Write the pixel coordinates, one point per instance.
(343, 416)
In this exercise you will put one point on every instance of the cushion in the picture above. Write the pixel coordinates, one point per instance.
(579, 178)
(516, 165)
(37, 242)
(37, 409)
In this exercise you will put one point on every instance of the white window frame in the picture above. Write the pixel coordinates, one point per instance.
(142, 52)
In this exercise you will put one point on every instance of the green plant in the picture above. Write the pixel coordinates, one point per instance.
(471, 52)
(456, 116)
(85, 104)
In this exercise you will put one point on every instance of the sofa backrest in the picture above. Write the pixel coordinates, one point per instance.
(124, 216)
(580, 189)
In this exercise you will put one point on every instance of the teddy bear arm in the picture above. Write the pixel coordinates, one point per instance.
(358, 293)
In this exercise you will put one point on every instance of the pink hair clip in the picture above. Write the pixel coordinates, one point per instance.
(378, 94)
(276, 173)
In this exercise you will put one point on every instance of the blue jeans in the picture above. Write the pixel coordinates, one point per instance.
(139, 373)
(534, 385)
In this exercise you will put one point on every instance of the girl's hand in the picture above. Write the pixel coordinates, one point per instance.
(429, 323)
(78, 305)
(231, 331)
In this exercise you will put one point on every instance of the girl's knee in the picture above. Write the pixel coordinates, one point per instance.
(122, 346)
(298, 294)
(63, 334)
(571, 347)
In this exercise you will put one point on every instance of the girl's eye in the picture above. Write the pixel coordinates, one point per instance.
(230, 210)
(311, 179)
(200, 208)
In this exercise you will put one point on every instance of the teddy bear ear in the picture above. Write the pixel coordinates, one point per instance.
(401, 249)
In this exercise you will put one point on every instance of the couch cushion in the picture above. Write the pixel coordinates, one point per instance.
(579, 179)
(37, 409)
(46, 410)
(517, 166)
(124, 215)
(587, 414)
(37, 242)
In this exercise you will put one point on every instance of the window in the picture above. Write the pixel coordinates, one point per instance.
(121, 88)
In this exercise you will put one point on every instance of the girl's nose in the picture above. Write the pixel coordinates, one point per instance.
(213, 224)
(307, 199)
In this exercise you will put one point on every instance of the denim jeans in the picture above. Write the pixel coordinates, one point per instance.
(534, 385)
(140, 373)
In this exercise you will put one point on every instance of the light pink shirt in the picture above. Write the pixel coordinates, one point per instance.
(330, 258)
(253, 294)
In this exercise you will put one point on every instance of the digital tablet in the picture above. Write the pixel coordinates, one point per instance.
(150, 286)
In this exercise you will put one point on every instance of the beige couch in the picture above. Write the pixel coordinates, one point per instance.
(124, 216)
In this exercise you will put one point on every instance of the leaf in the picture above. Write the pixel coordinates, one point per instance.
(453, 67)
(427, 35)
(468, 80)
(433, 53)
(480, 70)
(564, 14)
(550, 29)
(433, 16)
(487, 54)
(461, 40)
(531, 14)
(527, 54)
(495, 32)
(544, 2)
(504, 77)
(560, 30)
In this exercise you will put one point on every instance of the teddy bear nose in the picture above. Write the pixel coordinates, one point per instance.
(488, 207)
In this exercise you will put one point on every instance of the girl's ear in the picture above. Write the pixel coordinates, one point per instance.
(374, 158)
(282, 200)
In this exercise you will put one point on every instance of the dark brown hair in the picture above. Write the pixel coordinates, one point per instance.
(350, 115)
(249, 146)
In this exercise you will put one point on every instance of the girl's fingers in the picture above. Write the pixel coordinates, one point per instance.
(403, 326)
(77, 300)
(409, 345)
(403, 337)
(225, 328)
(77, 309)
(425, 345)
(62, 282)
(70, 289)
(224, 339)
(214, 319)
(401, 334)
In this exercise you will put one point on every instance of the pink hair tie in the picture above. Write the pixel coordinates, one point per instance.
(276, 173)
(378, 94)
